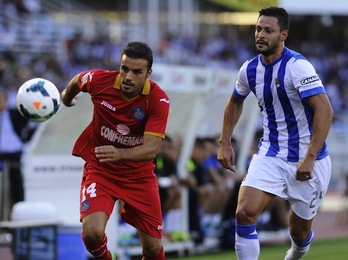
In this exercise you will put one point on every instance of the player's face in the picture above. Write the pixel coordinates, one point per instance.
(134, 74)
(268, 37)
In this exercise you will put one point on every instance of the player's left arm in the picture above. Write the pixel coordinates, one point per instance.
(145, 152)
(323, 115)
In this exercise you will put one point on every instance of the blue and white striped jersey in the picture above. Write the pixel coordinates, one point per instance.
(281, 89)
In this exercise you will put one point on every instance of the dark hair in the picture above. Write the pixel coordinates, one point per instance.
(139, 50)
(280, 13)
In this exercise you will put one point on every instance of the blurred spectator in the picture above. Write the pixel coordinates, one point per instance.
(15, 131)
(334, 94)
(29, 6)
(169, 186)
(221, 183)
(208, 190)
(8, 35)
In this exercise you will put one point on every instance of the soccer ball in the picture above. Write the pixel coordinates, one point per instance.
(38, 99)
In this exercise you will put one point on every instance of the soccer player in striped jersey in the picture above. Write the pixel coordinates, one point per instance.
(292, 161)
(130, 114)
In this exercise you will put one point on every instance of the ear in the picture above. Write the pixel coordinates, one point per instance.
(149, 73)
(283, 35)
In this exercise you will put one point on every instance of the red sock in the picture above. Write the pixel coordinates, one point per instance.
(99, 250)
(159, 256)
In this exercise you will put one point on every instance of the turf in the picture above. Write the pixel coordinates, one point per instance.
(336, 249)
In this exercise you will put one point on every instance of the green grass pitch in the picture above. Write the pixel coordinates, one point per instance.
(336, 249)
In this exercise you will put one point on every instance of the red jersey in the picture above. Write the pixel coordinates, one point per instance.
(119, 121)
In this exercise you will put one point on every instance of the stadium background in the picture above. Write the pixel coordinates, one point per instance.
(190, 38)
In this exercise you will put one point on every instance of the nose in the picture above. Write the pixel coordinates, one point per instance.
(260, 34)
(128, 77)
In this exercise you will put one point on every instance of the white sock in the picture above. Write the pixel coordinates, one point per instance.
(296, 252)
(247, 243)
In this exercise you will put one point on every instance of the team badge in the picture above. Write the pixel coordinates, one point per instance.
(85, 205)
(277, 82)
(138, 113)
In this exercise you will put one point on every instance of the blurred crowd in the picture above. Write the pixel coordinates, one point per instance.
(82, 52)
(216, 53)
(212, 194)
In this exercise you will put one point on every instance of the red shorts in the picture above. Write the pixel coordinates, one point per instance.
(139, 192)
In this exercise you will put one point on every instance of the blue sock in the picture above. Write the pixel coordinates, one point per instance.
(246, 231)
(247, 242)
(298, 250)
(307, 241)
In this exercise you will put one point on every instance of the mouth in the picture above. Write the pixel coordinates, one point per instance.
(127, 85)
(260, 42)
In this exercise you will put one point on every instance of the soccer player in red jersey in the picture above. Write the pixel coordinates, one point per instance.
(129, 120)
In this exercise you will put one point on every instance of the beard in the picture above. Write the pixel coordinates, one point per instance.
(268, 51)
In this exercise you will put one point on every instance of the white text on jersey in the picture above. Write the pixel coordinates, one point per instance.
(113, 136)
(106, 104)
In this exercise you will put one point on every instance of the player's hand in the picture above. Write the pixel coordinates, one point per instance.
(304, 170)
(226, 158)
(107, 153)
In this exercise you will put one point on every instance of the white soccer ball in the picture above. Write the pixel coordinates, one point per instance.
(38, 99)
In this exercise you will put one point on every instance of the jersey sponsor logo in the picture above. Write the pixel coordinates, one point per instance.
(116, 137)
(138, 113)
(122, 129)
(159, 227)
(107, 105)
(164, 100)
(309, 80)
(85, 77)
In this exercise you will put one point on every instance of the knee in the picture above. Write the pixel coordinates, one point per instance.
(92, 233)
(245, 216)
(152, 249)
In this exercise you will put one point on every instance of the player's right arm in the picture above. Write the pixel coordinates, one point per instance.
(233, 110)
(232, 113)
(70, 92)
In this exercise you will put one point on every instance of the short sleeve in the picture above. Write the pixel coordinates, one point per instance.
(241, 88)
(305, 79)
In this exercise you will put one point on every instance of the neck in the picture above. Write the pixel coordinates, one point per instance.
(273, 57)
